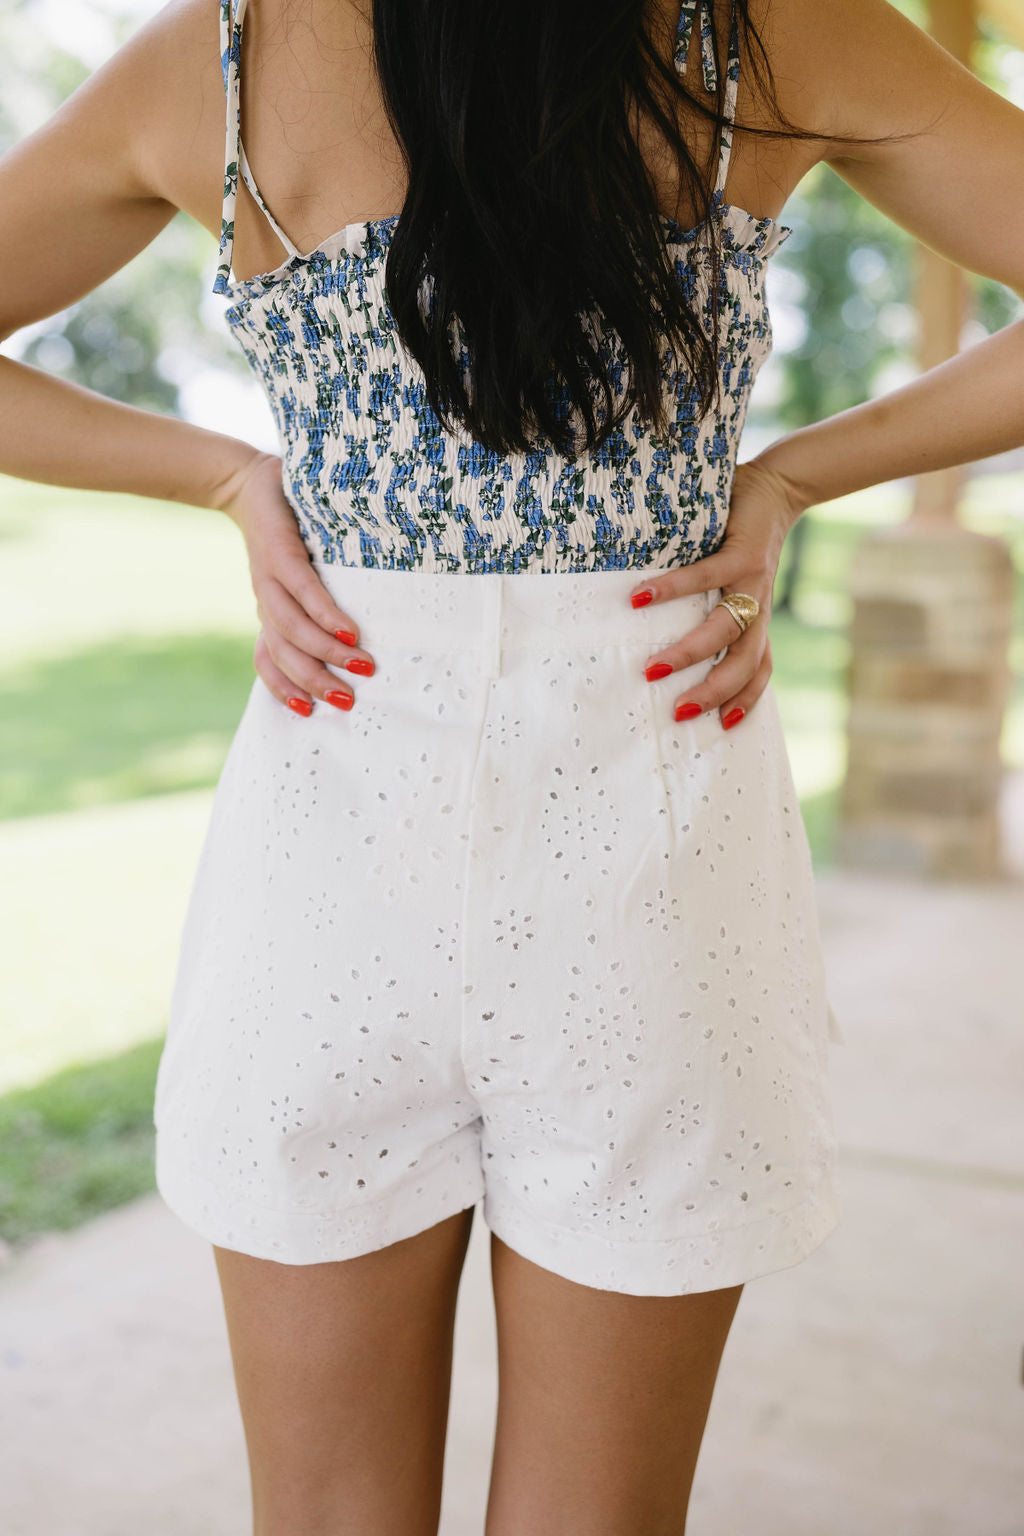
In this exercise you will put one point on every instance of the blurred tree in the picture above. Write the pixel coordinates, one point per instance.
(115, 340)
(851, 277)
(853, 280)
(119, 341)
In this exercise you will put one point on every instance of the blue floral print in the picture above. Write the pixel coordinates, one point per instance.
(375, 480)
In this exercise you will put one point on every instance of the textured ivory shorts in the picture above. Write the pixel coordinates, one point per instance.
(506, 930)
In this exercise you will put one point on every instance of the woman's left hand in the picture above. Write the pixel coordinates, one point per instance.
(761, 513)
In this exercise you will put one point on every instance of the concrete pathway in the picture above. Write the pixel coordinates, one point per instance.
(876, 1388)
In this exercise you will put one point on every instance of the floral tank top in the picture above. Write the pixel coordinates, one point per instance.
(374, 479)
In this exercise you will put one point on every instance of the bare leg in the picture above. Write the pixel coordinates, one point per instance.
(603, 1400)
(343, 1372)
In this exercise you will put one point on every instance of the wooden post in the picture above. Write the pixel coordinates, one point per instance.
(940, 288)
(1008, 16)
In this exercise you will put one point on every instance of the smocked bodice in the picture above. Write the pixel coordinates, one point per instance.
(373, 477)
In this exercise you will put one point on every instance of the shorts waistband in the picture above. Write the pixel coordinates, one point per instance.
(532, 610)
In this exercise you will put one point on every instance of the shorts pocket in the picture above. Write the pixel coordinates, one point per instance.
(712, 778)
(705, 731)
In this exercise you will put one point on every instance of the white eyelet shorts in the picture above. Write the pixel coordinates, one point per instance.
(506, 930)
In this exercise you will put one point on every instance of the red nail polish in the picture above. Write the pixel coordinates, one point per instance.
(641, 599)
(339, 699)
(361, 665)
(733, 718)
(345, 636)
(300, 706)
(688, 711)
(657, 669)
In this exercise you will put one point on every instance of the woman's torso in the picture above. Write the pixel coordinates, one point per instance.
(370, 475)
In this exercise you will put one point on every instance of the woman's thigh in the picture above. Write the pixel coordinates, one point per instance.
(603, 1399)
(343, 1372)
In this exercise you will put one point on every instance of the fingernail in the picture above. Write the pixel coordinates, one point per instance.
(657, 669)
(339, 699)
(641, 599)
(345, 636)
(733, 718)
(300, 706)
(688, 711)
(361, 665)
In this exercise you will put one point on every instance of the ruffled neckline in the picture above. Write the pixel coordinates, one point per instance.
(742, 232)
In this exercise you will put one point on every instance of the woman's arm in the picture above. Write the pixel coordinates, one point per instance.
(142, 137)
(958, 186)
(80, 198)
(964, 409)
(61, 434)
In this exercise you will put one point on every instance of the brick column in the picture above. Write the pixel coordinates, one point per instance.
(928, 682)
(929, 672)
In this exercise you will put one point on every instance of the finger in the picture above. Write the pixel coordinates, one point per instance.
(279, 610)
(715, 632)
(745, 697)
(717, 570)
(726, 681)
(306, 677)
(277, 683)
(282, 556)
(306, 586)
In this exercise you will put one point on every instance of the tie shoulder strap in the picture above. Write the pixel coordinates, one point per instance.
(235, 162)
(230, 59)
(701, 12)
(691, 10)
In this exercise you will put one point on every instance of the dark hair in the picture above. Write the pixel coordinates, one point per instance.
(530, 207)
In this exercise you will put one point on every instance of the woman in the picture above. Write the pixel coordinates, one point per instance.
(527, 914)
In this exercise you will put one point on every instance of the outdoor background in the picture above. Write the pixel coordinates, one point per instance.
(875, 1387)
(127, 629)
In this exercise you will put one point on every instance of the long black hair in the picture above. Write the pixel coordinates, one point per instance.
(530, 207)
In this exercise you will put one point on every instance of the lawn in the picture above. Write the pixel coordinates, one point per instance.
(127, 629)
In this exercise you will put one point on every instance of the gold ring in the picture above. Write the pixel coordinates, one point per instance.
(742, 606)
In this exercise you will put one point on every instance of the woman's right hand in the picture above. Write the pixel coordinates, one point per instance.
(301, 624)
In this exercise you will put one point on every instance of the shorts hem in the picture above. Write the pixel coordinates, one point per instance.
(313, 1237)
(708, 1261)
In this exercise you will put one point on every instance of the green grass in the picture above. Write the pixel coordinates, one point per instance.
(141, 716)
(77, 1144)
(126, 631)
(79, 568)
(91, 906)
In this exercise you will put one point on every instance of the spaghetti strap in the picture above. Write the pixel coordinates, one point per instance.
(235, 160)
(688, 16)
